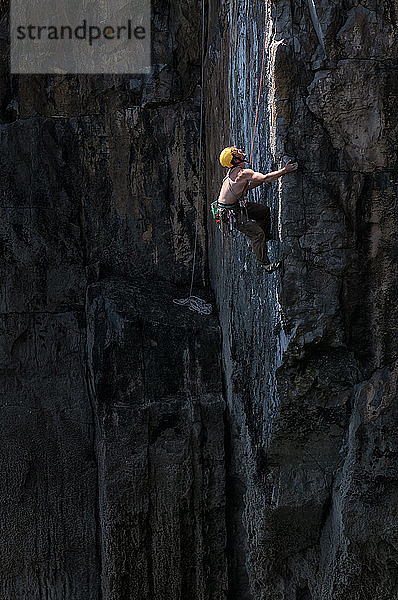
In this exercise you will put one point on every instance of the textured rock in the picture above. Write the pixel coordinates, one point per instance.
(125, 474)
(48, 470)
(113, 431)
(309, 354)
(160, 443)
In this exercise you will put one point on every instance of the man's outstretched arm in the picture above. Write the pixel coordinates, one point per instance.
(255, 178)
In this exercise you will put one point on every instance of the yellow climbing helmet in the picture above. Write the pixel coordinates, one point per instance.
(226, 157)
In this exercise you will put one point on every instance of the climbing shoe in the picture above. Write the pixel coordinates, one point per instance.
(271, 267)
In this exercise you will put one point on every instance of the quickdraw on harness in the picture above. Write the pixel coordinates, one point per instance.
(227, 216)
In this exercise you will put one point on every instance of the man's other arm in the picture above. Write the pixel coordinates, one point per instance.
(255, 178)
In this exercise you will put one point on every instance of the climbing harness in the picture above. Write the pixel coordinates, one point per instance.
(228, 215)
(225, 216)
(193, 302)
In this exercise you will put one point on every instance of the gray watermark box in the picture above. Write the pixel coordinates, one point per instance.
(80, 36)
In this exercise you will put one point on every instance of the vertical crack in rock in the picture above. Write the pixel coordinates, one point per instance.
(316, 23)
(91, 392)
(161, 443)
(235, 554)
(149, 513)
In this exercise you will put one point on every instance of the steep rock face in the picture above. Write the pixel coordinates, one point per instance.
(310, 353)
(160, 444)
(48, 472)
(113, 457)
(109, 158)
(112, 442)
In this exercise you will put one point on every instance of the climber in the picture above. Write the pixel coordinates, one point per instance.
(251, 218)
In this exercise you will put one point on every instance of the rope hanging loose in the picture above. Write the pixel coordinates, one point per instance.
(193, 302)
(196, 304)
(261, 83)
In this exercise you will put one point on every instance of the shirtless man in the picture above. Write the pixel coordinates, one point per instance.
(235, 186)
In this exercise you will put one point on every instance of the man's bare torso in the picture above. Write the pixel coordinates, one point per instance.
(232, 189)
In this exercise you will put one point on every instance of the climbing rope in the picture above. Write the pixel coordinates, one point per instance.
(260, 84)
(193, 302)
(196, 304)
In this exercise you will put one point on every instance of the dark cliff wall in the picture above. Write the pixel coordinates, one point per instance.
(112, 461)
(310, 353)
(123, 475)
